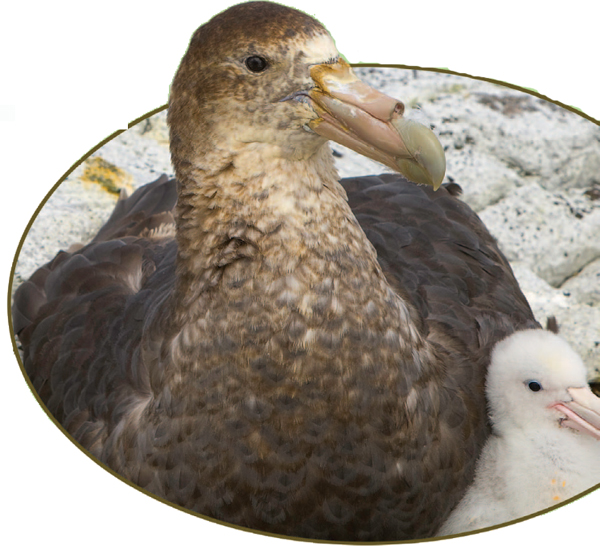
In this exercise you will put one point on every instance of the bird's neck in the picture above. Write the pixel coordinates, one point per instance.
(274, 258)
(265, 229)
(255, 205)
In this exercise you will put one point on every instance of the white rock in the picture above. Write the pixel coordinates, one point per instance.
(585, 285)
(485, 180)
(579, 323)
(143, 151)
(73, 213)
(545, 231)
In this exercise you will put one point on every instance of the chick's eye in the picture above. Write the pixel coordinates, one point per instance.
(534, 386)
(256, 63)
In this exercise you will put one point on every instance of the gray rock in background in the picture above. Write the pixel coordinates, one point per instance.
(529, 168)
(555, 234)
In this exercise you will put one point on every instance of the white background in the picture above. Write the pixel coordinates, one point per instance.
(74, 72)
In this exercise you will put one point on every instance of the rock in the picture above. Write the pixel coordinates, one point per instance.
(72, 214)
(578, 322)
(552, 233)
(143, 150)
(485, 180)
(108, 176)
(584, 286)
(155, 127)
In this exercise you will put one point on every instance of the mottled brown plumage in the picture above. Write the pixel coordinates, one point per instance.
(303, 357)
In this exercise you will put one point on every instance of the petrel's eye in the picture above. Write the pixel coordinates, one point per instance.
(534, 386)
(256, 63)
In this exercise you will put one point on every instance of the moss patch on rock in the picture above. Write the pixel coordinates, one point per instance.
(108, 176)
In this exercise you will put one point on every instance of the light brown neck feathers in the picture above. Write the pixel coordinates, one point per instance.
(256, 205)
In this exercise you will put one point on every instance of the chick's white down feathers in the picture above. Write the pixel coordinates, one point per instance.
(532, 461)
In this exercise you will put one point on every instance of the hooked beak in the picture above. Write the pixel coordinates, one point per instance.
(369, 122)
(583, 412)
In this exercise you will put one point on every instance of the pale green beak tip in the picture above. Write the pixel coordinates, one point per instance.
(427, 161)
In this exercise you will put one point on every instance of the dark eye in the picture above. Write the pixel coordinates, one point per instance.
(534, 386)
(256, 63)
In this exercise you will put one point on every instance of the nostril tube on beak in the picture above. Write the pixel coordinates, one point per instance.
(370, 122)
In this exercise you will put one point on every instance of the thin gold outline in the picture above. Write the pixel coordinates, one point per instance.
(202, 516)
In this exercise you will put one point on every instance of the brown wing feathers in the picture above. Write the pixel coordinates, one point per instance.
(79, 315)
(440, 256)
(80, 319)
(149, 208)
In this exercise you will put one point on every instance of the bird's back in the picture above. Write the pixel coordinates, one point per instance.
(437, 253)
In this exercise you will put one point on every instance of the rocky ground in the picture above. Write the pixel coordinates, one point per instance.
(528, 167)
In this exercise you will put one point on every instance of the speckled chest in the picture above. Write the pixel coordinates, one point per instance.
(315, 316)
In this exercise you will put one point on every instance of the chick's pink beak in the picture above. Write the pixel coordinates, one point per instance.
(583, 412)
